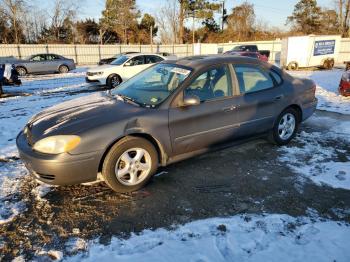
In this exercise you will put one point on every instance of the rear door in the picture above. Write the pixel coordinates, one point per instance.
(260, 98)
(53, 62)
(211, 122)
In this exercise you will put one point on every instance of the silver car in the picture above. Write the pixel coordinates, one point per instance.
(44, 63)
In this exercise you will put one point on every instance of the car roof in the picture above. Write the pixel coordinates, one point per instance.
(203, 61)
(138, 54)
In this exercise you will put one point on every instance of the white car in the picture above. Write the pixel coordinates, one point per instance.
(121, 69)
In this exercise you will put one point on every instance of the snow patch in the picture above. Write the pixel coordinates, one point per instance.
(327, 92)
(239, 238)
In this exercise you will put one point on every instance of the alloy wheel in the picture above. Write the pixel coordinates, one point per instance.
(286, 126)
(133, 166)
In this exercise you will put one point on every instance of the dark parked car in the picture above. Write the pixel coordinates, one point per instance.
(251, 48)
(107, 61)
(169, 112)
(255, 55)
(44, 63)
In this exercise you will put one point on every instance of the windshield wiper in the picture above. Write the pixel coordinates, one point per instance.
(128, 100)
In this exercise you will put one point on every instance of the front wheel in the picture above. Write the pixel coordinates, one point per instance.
(113, 81)
(285, 127)
(129, 164)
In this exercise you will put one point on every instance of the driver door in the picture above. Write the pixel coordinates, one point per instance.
(134, 66)
(210, 123)
(37, 63)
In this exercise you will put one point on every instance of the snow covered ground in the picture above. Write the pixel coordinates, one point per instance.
(239, 238)
(269, 237)
(327, 89)
(40, 92)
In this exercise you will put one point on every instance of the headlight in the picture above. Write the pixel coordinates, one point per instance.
(57, 144)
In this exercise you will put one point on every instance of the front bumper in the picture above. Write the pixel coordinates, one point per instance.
(62, 169)
(309, 109)
(96, 79)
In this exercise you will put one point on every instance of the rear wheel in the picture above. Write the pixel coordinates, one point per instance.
(113, 81)
(129, 164)
(293, 66)
(21, 71)
(63, 69)
(285, 127)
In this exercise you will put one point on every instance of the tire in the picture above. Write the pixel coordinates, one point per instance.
(63, 69)
(21, 71)
(331, 64)
(293, 66)
(134, 172)
(282, 134)
(113, 81)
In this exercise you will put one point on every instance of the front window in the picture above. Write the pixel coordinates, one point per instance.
(152, 86)
(213, 84)
(120, 60)
(38, 58)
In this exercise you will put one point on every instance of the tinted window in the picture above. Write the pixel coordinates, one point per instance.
(52, 57)
(38, 58)
(212, 84)
(252, 79)
(137, 60)
(151, 59)
(276, 76)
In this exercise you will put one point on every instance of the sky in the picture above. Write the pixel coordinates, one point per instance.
(274, 12)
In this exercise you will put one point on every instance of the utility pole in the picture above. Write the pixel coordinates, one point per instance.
(193, 36)
(223, 15)
(151, 38)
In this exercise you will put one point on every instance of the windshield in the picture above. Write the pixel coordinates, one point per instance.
(120, 60)
(152, 86)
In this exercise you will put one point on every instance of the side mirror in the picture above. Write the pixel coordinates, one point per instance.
(129, 63)
(191, 101)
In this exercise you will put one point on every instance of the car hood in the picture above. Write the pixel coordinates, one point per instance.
(102, 68)
(78, 115)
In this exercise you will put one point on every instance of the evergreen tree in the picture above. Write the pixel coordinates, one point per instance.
(306, 17)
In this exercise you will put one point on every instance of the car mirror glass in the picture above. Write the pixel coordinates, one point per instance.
(129, 63)
(191, 100)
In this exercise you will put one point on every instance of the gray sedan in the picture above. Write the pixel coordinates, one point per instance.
(44, 63)
(169, 112)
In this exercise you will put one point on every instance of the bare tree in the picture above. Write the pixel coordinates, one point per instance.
(14, 10)
(240, 22)
(63, 11)
(35, 20)
(168, 22)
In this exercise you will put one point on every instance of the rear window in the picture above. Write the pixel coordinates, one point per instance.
(252, 79)
(276, 76)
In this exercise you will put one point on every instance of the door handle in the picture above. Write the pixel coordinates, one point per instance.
(229, 109)
(279, 97)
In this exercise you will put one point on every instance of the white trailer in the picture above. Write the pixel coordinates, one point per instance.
(309, 51)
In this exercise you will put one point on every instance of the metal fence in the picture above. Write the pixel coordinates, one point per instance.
(91, 54)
